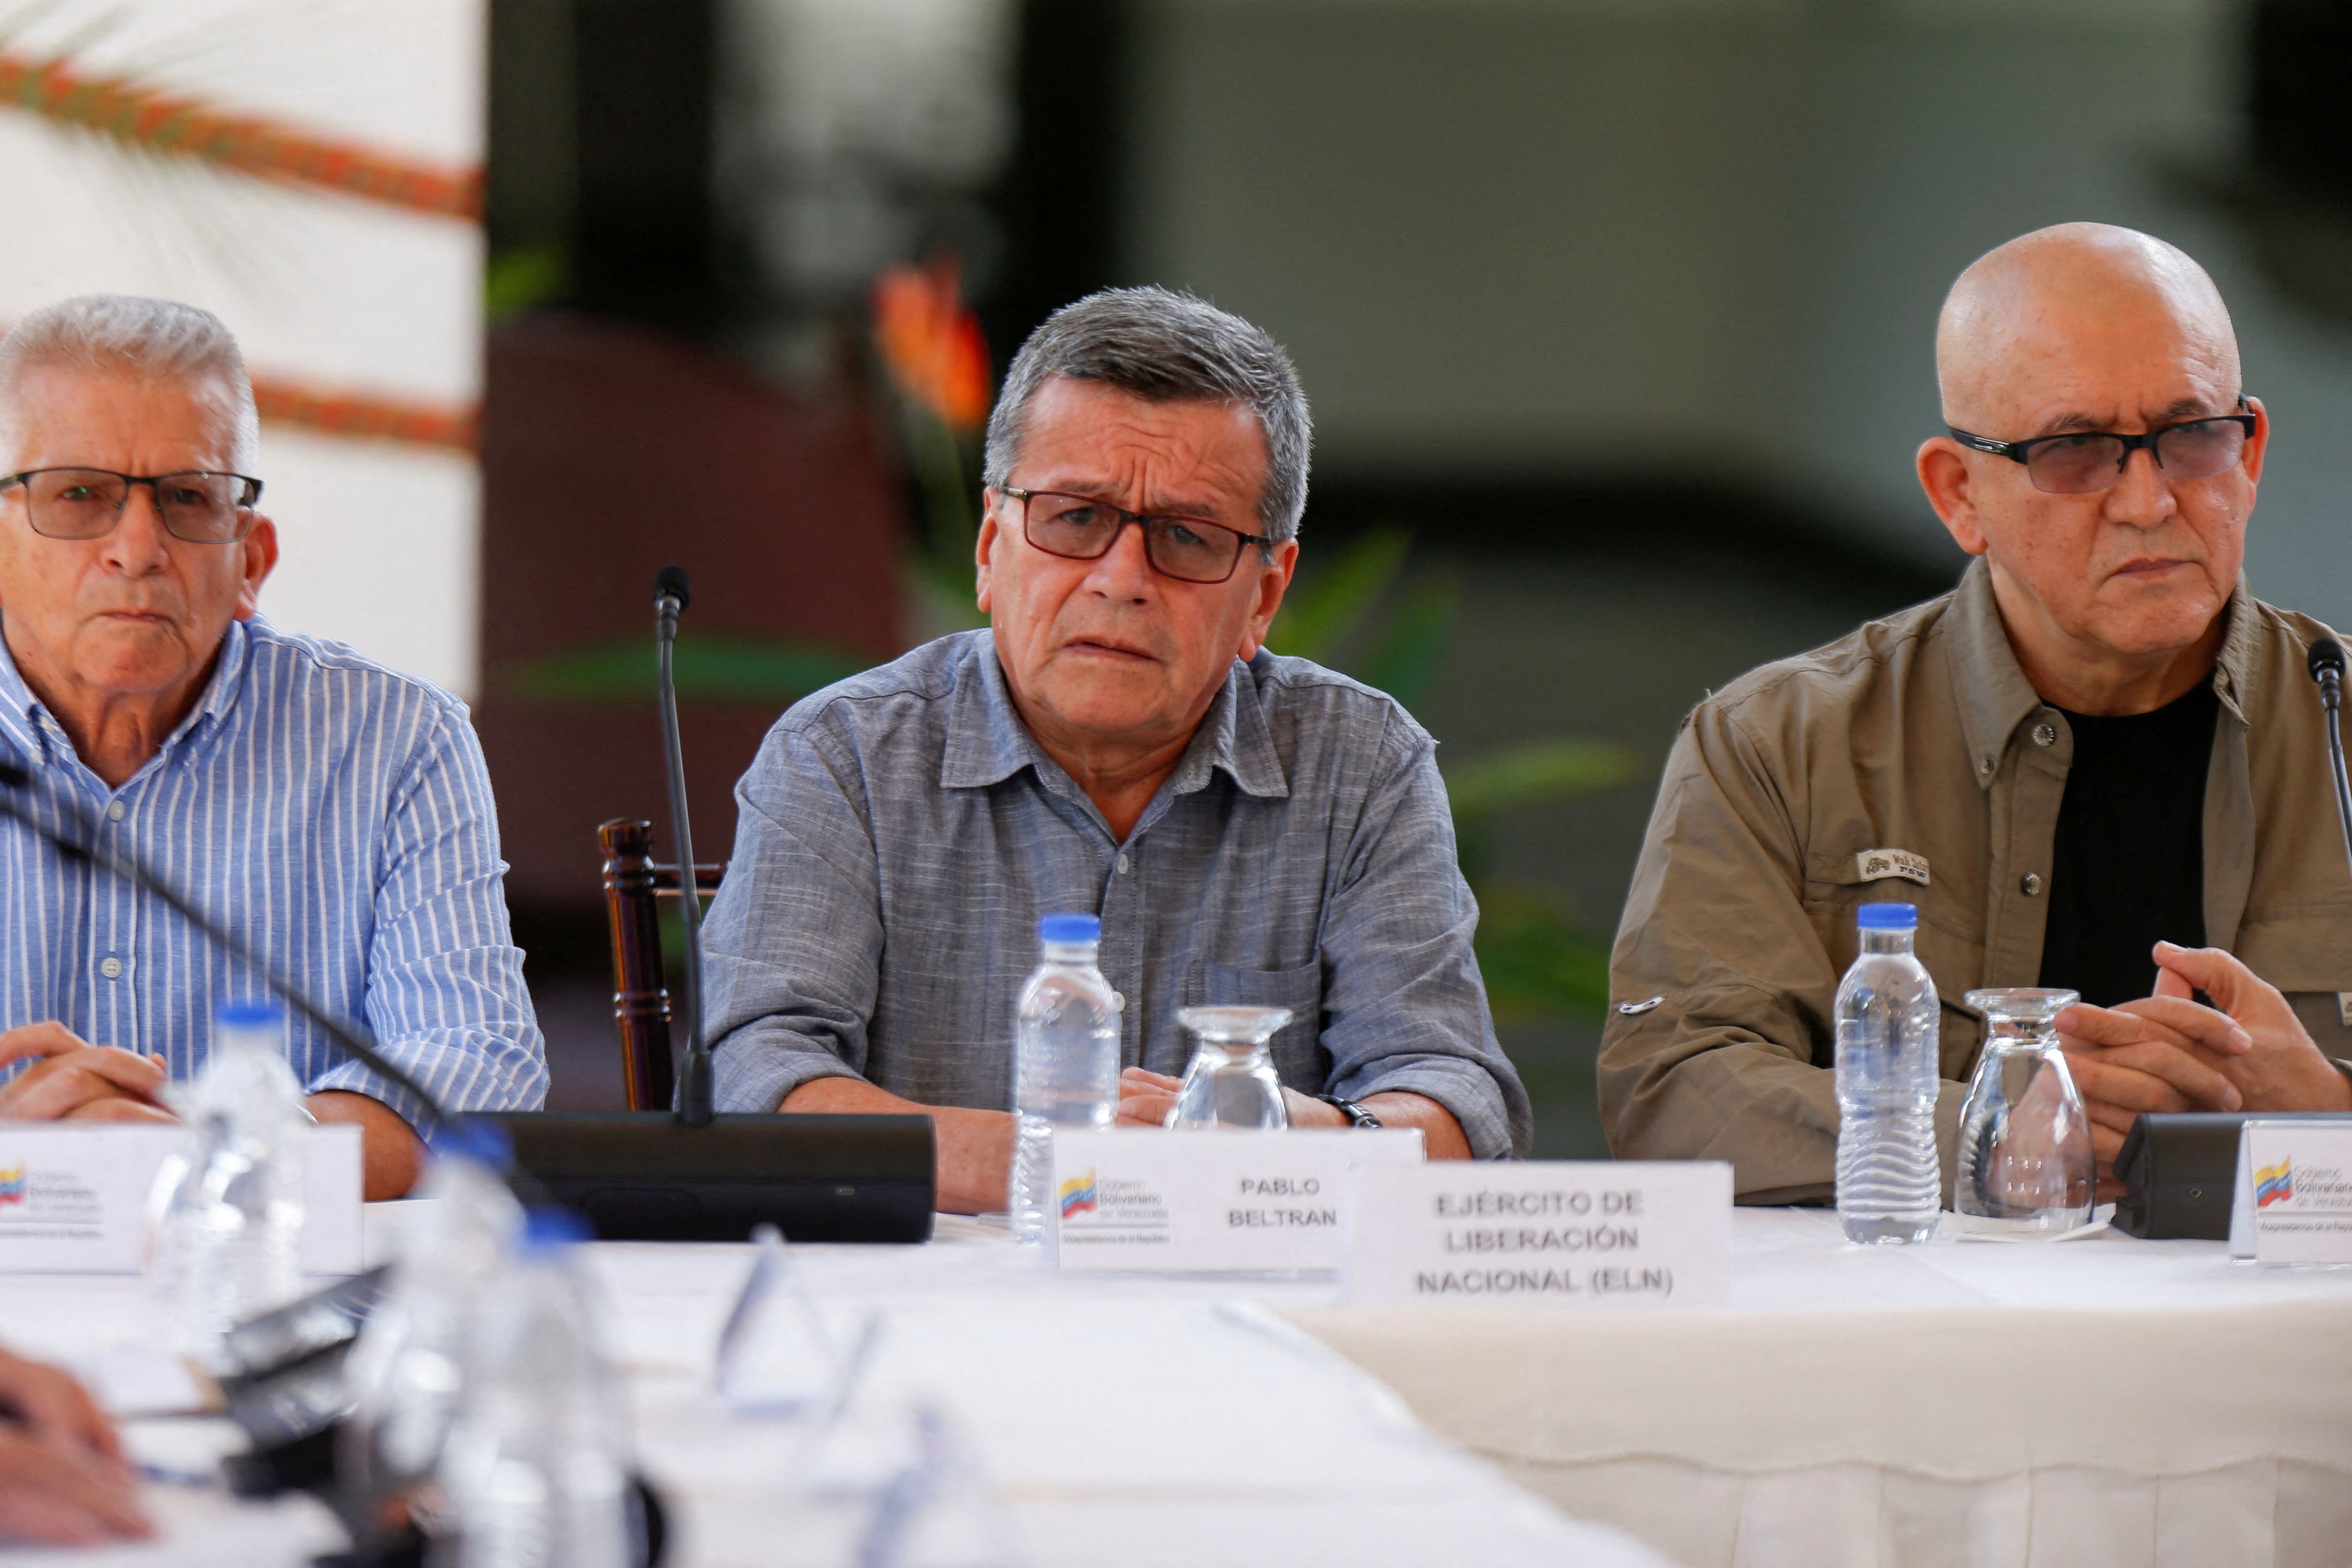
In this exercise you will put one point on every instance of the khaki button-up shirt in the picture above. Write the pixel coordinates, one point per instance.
(1912, 761)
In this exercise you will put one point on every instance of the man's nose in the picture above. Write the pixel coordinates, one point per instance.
(139, 542)
(1124, 571)
(2141, 495)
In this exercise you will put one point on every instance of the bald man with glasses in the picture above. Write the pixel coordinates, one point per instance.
(2098, 765)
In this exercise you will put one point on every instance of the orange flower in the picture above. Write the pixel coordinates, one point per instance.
(930, 344)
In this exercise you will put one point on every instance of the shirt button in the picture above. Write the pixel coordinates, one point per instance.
(114, 811)
(1122, 865)
(111, 968)
(1984, 766)
(1118, 1001)
(2030, 886)
(2043, 735)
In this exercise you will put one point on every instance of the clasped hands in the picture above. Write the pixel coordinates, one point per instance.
(2167, 1052)
(73, 1081)
(1145, 1099)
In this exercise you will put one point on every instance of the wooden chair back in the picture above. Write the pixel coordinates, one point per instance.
(634, 883)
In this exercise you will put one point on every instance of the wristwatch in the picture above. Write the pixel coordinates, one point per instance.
(1356, 1114)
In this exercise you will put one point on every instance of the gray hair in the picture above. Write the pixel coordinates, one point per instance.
(1165, 347)
(161, 339)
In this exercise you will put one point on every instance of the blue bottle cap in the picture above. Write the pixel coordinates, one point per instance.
(548, 1229)
(1069, 929)
(249, 1015)
(1887, 917)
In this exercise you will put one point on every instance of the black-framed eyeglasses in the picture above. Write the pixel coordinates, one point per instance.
(1084, 528)
(199, 506)
(2083, 461)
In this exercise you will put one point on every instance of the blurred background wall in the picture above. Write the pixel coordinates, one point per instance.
(1615, 313)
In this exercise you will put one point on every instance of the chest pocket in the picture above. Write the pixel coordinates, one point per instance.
(1299, 1057)
(1952, 948)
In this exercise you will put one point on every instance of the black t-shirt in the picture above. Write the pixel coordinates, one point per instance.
(2128, 867)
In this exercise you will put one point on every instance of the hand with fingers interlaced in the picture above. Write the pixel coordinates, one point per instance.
(2169, 1053)
(73, 1081)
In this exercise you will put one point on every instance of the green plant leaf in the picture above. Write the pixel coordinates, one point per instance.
(514, 280)
(1414, 641)
(730, 666)
(1537, 962)
(1320, 612)
(1535, 772)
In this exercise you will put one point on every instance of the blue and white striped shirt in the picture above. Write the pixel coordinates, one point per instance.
(334, 815)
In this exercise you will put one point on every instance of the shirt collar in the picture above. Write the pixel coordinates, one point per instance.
(21, 711)
(1995, 697)
(987, 741)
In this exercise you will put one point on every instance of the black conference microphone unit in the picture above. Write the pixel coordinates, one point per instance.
(672, 592)
(2180, 1171)
(637, 1176)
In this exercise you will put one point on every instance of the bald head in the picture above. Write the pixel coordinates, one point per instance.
(2046, 322)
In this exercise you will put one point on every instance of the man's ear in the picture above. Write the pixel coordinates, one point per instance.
(2258, 445)
(1944, 474)
(984, 553)
(1273, 581)
(260, 549)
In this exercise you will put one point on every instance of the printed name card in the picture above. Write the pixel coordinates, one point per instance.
(1563, 1233)
(2293, 1198)
(1214, 1201)
(73, 1197)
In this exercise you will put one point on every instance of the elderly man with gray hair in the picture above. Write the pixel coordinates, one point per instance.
(1251, 828)
(331, 814)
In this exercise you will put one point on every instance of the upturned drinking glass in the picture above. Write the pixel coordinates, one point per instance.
(2025, 1166)
(1231, 1082)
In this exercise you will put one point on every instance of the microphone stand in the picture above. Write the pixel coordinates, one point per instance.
(2327, 668)
(672, 591)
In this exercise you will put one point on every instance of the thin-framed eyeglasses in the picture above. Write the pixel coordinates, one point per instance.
(1084, 528)
(2083, 461)
(198, 505)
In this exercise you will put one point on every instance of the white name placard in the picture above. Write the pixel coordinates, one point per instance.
(1567, 1234)
(73, 1197)
(1214, 1201)
(2293, 1198)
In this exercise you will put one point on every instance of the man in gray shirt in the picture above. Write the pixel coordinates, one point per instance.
(1251, 828)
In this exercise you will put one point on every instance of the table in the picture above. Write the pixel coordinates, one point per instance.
(1124, 1421)
(2105, 1401)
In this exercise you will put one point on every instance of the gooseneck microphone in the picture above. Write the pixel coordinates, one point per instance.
(89, 851)
(2326, 665)
(672, 592)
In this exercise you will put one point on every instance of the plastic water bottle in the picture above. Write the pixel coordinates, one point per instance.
(228, 1205)
(536, 1470)
(1065, 1062)
(403, 1376)
(1887, 1019)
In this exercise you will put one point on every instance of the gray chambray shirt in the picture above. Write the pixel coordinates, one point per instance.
(899, 834)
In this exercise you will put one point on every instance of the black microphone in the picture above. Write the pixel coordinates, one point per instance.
(354, 1041)
(2326, 666)
(672, 592)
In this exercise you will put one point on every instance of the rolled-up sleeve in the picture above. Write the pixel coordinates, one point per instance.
(793, 943)
(445, 992)
(1405, 1008)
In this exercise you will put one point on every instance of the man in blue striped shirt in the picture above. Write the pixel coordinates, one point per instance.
(332, 814)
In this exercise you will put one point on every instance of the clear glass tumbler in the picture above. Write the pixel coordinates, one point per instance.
(1231, 1082)
(2025, 1166)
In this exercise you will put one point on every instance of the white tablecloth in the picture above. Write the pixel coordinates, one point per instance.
(2097, 1402)
(1123, 1421)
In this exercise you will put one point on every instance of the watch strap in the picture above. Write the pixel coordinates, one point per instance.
(1356, 1114)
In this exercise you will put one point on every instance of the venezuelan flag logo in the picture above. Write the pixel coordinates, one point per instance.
(12, 1185)
(1078, 1195)
(2273, 1184)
